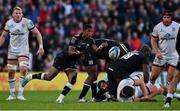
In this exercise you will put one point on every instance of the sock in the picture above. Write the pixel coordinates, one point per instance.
(169, 98)
(94, 89)
(176, 95)
(12, 86)
(84, 90)
(21, 89)
(67, 89)
(61, 96)
(38, 76)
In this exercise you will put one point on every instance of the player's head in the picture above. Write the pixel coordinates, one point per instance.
(17, 14)
(127, 91)
(146, 50)
(103, 85)
(167, 17)
(87, 31)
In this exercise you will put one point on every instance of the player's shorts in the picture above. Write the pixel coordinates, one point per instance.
(61, 62)
(89, 60)
(166, 60)
(15, 56)
(178, 65)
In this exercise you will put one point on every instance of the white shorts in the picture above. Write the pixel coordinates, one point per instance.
(12, 55)
(166, 60)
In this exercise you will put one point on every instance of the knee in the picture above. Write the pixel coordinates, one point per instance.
(176, 77)
(93, 76)
(48, 78)
(23, 67)
(11, 68)
(23, 70)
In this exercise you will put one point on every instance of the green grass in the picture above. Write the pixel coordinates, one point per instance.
(45, 100)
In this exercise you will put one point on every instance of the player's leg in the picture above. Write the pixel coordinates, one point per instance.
(59, 64)
(53, 72)
(170, 71)
(72, 75)
(172, 86)
(12, 67)
(155, 72)
(93, 71)
(90, 82)
(23, 68)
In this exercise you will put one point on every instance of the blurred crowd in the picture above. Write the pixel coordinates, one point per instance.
(128, 21)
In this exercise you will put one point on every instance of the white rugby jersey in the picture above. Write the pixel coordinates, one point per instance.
(167, 38)
(19, 34)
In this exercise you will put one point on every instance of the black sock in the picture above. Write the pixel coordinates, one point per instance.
(168, 100)
(94, 89)
(67, 89)
(37, 76)
(84, 91)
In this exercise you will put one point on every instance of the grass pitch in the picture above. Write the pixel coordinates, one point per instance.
(45, 100)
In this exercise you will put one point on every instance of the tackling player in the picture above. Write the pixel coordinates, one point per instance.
(91, 65)
(129, 63)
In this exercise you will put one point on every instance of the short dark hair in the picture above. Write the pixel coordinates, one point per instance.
(128, 91)
(167, 12)
(99, 83)
(87, 26)
(146, 50)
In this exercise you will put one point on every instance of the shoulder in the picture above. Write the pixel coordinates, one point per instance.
(25, 19)
(10, 21)
(160, 24)
(175, 24)
(77, 36)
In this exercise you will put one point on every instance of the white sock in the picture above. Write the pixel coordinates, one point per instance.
(176, 95)
(12, 86)
(61, 96)
(21, 89)
(170, 95)
(42, 76)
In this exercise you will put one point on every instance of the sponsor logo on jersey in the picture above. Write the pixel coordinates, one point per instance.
(17, 32)
(167, 36)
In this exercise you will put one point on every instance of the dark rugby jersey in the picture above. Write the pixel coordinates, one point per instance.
(103, 54)
(128, 64)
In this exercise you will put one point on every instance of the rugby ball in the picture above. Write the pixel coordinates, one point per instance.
(114, 53)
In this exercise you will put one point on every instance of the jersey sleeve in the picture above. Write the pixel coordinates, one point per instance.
(93, 41)
(30, 24)
(155, 32)
(6, 28)
(73, 41)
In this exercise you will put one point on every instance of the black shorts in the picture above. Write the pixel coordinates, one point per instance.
(61, 62)
(178, 65)
(89, 60)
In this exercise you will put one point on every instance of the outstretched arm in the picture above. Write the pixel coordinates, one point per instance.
(140, 82)
(97, 49)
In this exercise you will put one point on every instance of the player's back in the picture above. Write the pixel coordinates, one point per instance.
(128, 64)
